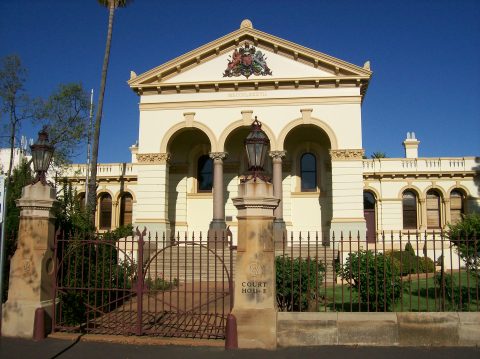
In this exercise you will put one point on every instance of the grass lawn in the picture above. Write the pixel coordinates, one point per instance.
(418, 294)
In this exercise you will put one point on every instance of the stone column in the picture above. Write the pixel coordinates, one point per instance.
(218, 225)
(279, 229)
(445, 215)
(32, 265)
(255, 296)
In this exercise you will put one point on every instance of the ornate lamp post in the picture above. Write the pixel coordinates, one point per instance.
(32, 276)
(256, 145)
(42, 152)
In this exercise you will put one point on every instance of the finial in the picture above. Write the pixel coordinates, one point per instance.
(246, 24)
(366, 65)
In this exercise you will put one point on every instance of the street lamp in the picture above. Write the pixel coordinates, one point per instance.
(256, 144)
(42, 152)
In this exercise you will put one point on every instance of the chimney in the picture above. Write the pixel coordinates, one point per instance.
(411, 145)
(134, 150)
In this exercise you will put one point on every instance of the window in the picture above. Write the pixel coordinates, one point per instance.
(308, 172)
(409, 204)
(369, 214)
(105, 211)
(368, 200)
(126, 203)
(433, 209)
(205, 173)
(456, 206)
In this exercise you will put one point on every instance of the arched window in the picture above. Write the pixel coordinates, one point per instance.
(205, 173)
(308, 172)
(369, 214)
(105, 205)
(433, 209)
(126, 205)
(409, 204)
(457, 209)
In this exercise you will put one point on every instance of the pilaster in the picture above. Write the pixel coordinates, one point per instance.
(347, 192)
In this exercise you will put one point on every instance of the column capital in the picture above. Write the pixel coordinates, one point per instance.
(218, 155)
(277, 154)
(153, 158)
(347, 154)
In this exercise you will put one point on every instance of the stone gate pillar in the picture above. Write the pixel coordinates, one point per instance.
(255, 296)
(32, 265)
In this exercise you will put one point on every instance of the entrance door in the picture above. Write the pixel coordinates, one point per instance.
(369, 214)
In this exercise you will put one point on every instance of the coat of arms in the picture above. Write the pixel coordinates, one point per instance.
(247, 60)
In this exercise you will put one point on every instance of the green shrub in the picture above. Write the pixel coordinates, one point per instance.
(408, 262)
(298, 282)
(465, 237)
(456, 297)
(374, 278)
(160, 283)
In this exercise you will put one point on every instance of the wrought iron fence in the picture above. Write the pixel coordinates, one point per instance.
(416, 272)
(144, 285)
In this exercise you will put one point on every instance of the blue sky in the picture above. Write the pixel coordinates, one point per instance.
(425, 56)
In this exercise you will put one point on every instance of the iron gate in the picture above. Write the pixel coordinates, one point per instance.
(144, 285)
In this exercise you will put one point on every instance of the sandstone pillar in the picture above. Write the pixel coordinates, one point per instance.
(255, 296)
(32, 265)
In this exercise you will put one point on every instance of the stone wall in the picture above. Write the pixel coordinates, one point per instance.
(378, 329)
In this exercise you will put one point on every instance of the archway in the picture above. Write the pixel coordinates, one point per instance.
(187, 206)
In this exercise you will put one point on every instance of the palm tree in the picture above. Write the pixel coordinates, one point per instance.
(112, 5)
(379, 155)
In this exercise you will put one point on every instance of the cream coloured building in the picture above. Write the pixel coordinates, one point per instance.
(196, 110)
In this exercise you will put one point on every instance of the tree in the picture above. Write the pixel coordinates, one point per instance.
(464, 236)
(66, 116)
(378, 155)
(91, 200)
(14, 102)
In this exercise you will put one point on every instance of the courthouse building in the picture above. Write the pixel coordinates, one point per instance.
(196, 110)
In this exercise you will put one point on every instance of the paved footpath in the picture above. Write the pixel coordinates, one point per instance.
(87, 349)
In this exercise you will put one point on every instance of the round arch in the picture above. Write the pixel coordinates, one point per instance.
(440, 190)
(119, 194)
(314, 121)
(415, 189)
(182, 125)
(374, 191)
(103, 191)
(240, 123)
(462, 188)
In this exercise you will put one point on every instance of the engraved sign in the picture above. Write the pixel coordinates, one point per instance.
(254, 287)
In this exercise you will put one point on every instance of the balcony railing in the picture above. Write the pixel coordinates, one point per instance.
(103, 170)
(443, 164)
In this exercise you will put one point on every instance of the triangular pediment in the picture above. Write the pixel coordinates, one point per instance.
(249, 56)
